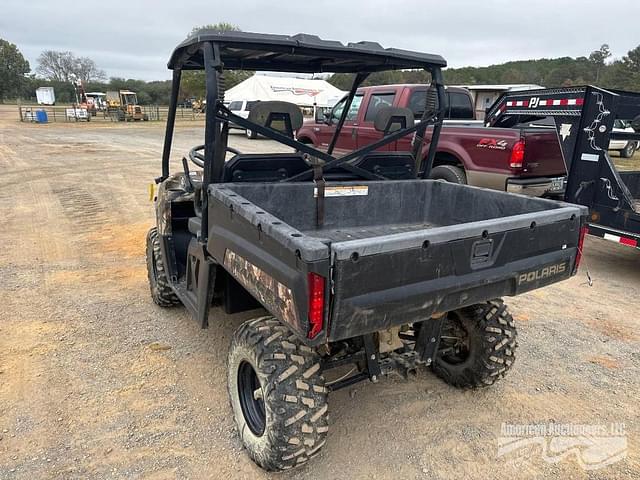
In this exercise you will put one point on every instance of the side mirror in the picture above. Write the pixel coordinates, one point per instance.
(322, 116)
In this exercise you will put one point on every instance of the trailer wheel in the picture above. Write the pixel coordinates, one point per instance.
(251, 134)
(477, 346)
(628, 150)
(161, 291)
(449, 173)
(277, 394)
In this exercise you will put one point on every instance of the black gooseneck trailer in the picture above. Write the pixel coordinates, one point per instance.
(584, 119)
(364, 266)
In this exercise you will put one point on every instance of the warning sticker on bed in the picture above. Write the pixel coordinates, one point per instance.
(344, 191)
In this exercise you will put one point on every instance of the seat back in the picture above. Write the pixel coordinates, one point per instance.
(392, 165)
(284, 117)
(263, 167)
(390, 119)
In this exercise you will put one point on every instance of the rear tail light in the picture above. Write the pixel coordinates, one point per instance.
(517, 155)
(316, 304)
(583, 231)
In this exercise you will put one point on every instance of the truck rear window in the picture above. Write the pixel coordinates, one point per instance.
(459, 108)
(376, 102)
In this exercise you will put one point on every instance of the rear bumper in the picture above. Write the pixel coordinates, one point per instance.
(537, 187)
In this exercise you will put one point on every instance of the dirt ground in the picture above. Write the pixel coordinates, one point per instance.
(98, 382)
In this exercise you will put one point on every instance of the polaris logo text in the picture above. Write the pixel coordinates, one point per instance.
(542, 273)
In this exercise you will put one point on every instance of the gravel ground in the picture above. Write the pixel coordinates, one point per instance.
(97, 382)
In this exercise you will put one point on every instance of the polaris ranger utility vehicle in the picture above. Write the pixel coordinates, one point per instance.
(364, 266)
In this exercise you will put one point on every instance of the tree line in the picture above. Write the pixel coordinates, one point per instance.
(597, 69)
(60, 69)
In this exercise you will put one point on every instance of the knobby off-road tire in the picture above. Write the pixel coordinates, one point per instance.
(277, 394)
(490, 345)
(161, 292)
(449, 173)
(628, 150)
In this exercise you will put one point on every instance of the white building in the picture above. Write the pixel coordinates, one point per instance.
(485, 95)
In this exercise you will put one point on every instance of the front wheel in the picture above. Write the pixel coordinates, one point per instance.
(477, 346)
(161, 292)
(628, 150)
(449, 173)
(277, 394)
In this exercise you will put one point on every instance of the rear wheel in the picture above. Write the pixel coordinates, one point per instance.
(449, 173)
(628, 150)
(277, 394)
(161, 291)
(477, 345)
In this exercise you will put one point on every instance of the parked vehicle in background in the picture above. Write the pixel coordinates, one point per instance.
(45, 96)
(585, 120)
(123, 105)
(96, 102)
(242, 109)
(626, 148)
(524, 160)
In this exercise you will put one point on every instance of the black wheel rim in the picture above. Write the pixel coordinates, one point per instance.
(248, 389)
(454, 347)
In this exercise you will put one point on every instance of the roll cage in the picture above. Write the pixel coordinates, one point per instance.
(213, 51)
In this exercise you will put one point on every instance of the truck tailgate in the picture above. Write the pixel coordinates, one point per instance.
(406, 277)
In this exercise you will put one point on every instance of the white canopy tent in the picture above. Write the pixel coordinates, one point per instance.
(301, 91)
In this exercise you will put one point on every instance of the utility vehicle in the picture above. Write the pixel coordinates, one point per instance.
(363, 265)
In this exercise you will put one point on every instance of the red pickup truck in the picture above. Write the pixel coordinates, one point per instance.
(526, 159)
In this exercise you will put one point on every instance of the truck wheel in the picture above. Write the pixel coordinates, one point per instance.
(161, 291)
(277, 394)
(628, 150)
(449, 173)
(251, 134)
(477, 346)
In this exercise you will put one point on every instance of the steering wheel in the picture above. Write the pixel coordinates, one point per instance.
(196, 154)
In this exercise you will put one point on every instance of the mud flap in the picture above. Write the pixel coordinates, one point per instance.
(201, 275)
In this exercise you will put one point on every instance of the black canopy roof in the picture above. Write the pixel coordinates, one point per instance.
(297, 53)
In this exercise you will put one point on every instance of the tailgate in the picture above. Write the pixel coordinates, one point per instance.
(403, 278)
(542, 154)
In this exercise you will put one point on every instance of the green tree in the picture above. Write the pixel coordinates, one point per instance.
(13, 69)
(193, 82)
(598, 58)
(216, 27)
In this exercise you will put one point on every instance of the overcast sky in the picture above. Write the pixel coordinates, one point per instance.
(134, 38)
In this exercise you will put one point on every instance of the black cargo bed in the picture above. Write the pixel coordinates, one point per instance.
(395, 252)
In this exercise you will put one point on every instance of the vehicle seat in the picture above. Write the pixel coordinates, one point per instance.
(284, 117)
(394, 165)
(263, 167)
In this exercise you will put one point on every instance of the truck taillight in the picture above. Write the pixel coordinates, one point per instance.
(517, 155)
(583, 232)
(316, 304)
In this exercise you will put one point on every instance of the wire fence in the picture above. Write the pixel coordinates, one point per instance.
(46, 113)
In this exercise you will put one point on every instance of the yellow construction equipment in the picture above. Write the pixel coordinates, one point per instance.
(123, 106)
